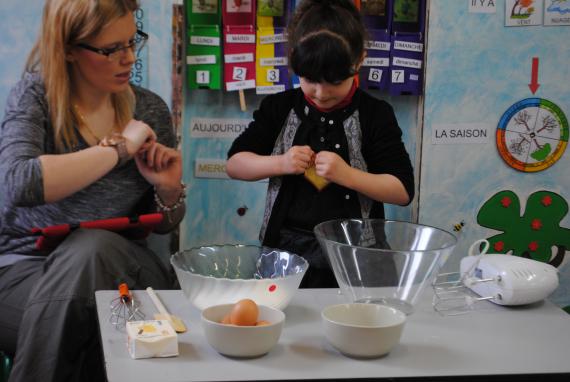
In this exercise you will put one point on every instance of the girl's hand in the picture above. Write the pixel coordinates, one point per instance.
(297, 159)
(138, 135)
(331, 166)
(161, 166)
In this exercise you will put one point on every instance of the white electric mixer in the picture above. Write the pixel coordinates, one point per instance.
(501, 279)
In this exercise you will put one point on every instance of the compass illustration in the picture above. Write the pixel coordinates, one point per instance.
(532, 135)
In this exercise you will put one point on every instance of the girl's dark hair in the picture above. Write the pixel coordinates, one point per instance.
(326, 40)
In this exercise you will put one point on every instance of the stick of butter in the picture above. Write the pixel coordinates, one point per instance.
(318, 181)
(151, 338)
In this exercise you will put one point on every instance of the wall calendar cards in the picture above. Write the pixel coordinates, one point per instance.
(204, 49)
(407, 50)
(239, 57)
(375, 69)
(272, 70)
(239, 44)
(203, 57)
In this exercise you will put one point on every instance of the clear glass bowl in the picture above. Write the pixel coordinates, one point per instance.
(225, 274)
(384, 261)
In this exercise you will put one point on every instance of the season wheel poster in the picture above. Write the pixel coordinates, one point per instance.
(532, 135)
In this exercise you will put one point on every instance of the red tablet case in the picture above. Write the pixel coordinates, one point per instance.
(137, 227)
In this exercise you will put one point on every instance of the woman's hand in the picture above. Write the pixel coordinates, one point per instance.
(297, 159)
(138, 135)
(161, 166)
(332, 167)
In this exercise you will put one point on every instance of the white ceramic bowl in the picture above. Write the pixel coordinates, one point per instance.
(224, 274)
(363, 330)
(242, 341)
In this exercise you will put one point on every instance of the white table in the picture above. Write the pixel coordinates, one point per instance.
(491, 340)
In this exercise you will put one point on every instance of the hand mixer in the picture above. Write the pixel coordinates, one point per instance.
(501, 279)
(124, 308)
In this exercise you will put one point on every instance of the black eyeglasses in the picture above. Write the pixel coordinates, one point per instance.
(114, 54)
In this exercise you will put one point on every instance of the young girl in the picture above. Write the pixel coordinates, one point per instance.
(79, 143)
(352, 140)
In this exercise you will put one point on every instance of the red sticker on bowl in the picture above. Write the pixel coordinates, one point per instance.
(272, 287)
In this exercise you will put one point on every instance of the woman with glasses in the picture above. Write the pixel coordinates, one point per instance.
(79, 143)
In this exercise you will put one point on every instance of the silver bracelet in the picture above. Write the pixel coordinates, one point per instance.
(163, 207)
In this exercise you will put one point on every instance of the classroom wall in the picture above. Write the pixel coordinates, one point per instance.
(476, 70)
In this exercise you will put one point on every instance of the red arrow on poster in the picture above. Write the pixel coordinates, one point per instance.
(534, 85)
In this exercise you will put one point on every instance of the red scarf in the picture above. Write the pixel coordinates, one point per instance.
(346, 101)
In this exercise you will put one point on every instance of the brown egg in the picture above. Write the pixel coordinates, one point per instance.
(262, 323)
(244, 313)
(226, 320)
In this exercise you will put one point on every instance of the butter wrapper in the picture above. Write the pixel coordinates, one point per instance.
(151, 338)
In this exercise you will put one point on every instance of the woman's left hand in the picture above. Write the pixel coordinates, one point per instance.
(161, 166)
(331, 166)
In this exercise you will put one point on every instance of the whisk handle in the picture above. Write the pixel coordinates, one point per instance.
(124, 291)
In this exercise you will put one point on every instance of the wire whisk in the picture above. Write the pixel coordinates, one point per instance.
(124, 308)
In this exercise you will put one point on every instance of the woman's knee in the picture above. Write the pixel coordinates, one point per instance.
(106, 259)
(88, 246)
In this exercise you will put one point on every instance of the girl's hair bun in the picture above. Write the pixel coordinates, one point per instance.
(326, 40)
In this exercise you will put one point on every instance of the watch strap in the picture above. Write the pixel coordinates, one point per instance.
(118, 142)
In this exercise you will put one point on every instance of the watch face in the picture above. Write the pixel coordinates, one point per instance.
(119, 142)
(113, 140)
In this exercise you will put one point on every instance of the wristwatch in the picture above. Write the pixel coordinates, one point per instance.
(119, 142)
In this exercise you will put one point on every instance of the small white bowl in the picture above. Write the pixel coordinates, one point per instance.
(363, 330)
(242, 341)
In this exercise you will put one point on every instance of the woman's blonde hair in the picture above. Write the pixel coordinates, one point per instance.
(65, 23)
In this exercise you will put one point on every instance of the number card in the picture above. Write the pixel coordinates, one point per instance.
(239, 73)
(398, 76)
(273, 75)
(203, 77)
(375, 75)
